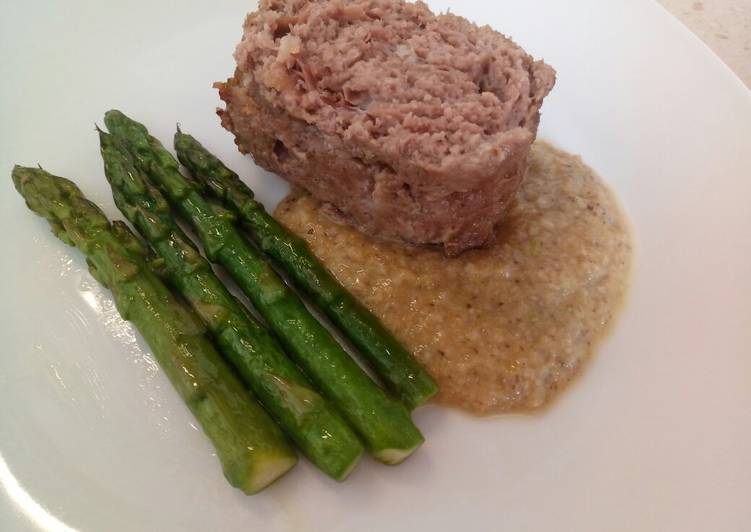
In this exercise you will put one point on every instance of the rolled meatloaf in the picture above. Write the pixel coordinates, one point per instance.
(414, 126)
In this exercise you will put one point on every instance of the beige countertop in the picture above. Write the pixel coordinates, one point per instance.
(725, 25)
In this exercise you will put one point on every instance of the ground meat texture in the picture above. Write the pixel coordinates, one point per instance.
(414, 126)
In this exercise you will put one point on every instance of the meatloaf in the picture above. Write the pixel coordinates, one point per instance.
(414, 126)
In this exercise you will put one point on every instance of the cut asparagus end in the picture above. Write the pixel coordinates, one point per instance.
(394, 456)
(339, 466)
(260, 475)
(344, 473)
(421, 394)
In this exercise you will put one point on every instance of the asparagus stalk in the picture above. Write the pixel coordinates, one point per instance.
(396, 367)
(314, 425)
(251, 448)
(382, 422)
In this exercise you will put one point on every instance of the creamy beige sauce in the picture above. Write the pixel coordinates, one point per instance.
(503, 328)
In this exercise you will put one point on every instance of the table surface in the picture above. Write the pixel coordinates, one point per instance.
(724, 25)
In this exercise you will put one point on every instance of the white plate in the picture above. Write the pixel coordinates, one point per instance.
(654, 437)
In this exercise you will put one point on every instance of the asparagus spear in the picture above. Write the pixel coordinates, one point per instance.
(250, 446)
(316, 427)
(382, 422)
(396, 367)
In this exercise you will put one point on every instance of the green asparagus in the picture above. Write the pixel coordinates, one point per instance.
(396, 367)
(317, 428)
(382, 422)
(250, 446)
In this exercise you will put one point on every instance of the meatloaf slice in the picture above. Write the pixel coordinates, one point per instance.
(415, 126)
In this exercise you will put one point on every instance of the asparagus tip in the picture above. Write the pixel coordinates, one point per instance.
(15, 175)
(113, 116)
(20, 175)
(342, 475)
